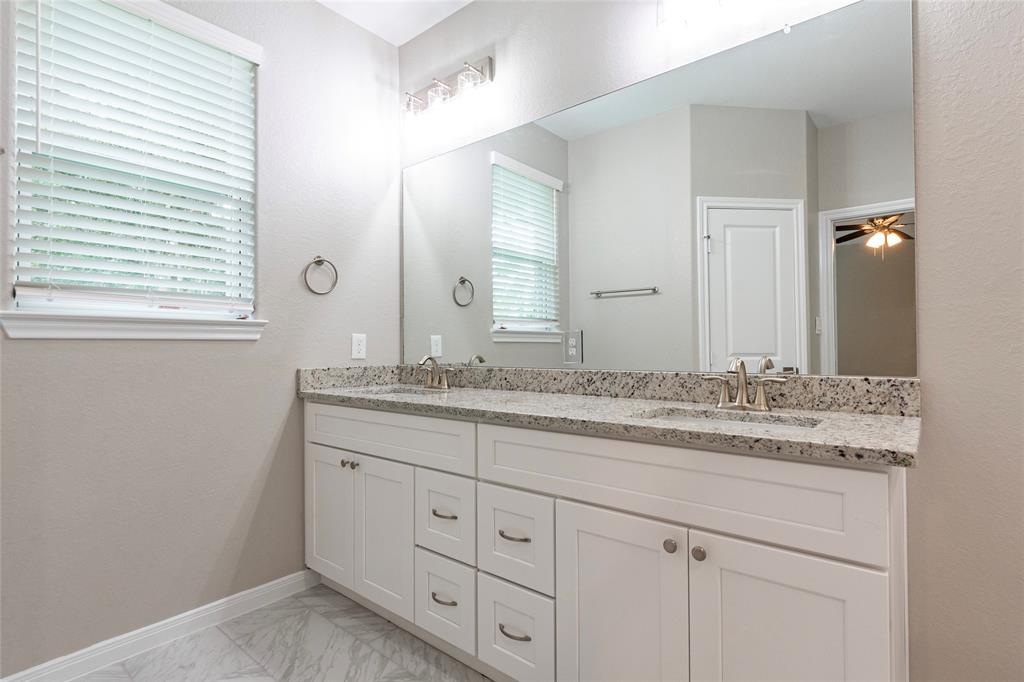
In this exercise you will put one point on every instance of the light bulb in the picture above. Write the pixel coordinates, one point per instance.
(439, 93)
(892, 239)
(876, 240)
(470, 78)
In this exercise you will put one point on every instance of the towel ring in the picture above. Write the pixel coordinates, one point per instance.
(319, 261)
(463, 281)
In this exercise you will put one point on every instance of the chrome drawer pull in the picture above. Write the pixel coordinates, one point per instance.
(442, 602)
(446, 517)
(512, 538)
(518, 638)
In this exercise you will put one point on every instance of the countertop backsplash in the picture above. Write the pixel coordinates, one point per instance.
(892, 396)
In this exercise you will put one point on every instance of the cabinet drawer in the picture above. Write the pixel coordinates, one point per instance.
(446, 514)
(824, 509)
(515, 629)
(437, 443)
(516, 536)
(446, 599)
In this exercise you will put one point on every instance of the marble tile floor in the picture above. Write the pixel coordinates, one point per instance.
(314, 636)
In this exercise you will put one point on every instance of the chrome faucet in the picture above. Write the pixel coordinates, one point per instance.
(437, 376)
(479, 358)
(738, 367)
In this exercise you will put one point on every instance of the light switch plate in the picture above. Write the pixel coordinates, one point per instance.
(572, 347)
(359, 346)
(435, 345)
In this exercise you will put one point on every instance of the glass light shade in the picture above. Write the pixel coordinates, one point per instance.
(469, 79)
(438, 94)
(876, 240)
(892, 239)
(413, 105)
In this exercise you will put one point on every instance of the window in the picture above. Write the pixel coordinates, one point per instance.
(524, 248)
(135, 164)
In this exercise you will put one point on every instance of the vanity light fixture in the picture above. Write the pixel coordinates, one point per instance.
(470, 77)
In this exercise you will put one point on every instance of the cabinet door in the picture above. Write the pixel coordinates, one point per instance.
(621, 599)
(384, 493)
(761, 613)
(329, 499)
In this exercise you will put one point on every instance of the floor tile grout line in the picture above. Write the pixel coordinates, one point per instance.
(238, 646)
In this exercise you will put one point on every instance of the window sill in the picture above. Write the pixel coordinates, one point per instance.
(32, 325)
(525, 336)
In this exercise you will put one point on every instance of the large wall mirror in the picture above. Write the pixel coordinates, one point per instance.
(756, 203)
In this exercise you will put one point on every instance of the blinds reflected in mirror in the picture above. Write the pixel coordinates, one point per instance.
(524, 247)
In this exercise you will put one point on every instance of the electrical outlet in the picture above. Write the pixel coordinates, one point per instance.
(572, 347)
(359, 346)
(435, 345)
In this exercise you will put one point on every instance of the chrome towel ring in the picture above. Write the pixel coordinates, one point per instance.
(463, 282)
(319, 261)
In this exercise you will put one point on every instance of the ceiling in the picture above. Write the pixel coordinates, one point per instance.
(396, 21)
(846, 65)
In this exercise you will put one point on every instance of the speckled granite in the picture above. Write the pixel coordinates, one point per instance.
(867, 395)
(338, 377)
(806, 434)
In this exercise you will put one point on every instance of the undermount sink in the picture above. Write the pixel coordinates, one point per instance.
(402, 390)
(700, 414)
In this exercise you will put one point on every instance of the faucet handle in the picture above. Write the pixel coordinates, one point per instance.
(735, 362)
(723, 397)
(761, 397)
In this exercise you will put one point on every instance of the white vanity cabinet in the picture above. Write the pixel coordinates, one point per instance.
(359, 525)
(569, 557)
(760, 612)
(622, 596)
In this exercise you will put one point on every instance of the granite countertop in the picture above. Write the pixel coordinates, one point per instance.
(806, 434)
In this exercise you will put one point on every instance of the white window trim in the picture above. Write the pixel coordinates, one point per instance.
(18, 324)
(192, 26)
(526, 336)
(530, 172)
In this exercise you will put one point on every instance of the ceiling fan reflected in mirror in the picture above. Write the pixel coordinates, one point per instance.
(882, 231)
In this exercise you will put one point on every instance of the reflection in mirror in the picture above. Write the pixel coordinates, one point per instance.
(755, 204)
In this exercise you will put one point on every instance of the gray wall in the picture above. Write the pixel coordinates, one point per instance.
(862, 162)
(630, 226)
(966, 510)
(143, 479)
(866, 161)
(966, 506)
(446, 214)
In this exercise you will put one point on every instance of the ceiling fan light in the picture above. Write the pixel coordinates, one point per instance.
(876, 240)
(892, 239)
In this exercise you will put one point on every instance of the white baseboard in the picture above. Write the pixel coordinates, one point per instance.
(102, 654)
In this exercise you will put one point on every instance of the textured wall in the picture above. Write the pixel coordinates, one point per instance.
(143, 479)
(967, 496)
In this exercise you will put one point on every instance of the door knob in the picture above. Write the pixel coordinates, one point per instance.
(699, 553)
(670, 546)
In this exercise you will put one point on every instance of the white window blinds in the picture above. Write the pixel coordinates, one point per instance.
(524, 247)
(135, 170)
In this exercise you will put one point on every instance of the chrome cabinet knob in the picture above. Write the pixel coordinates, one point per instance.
(699, 553)
(670, 546)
